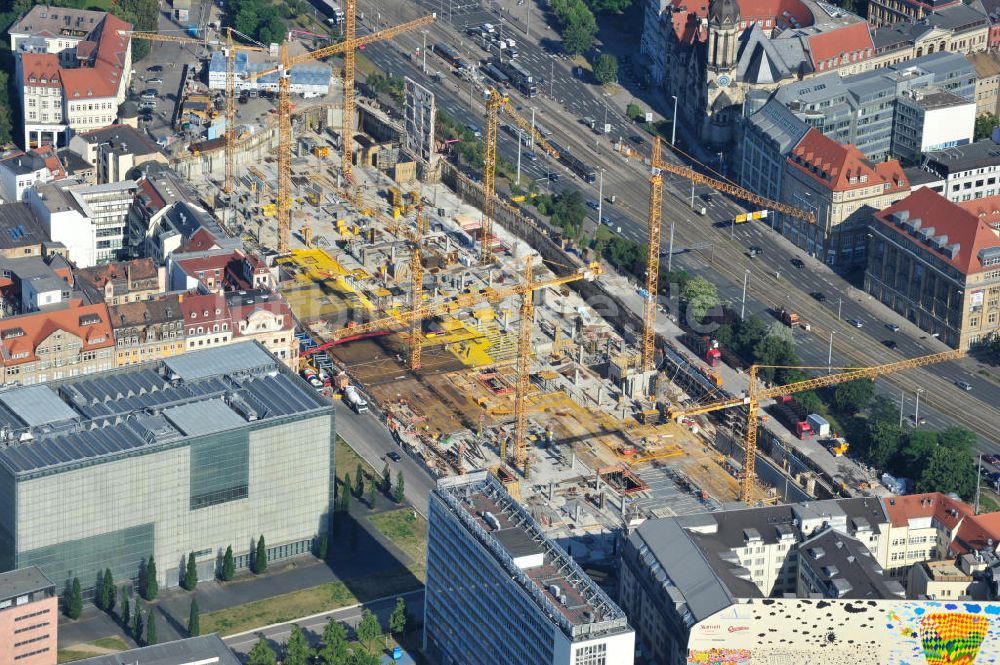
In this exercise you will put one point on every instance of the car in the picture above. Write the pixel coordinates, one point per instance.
(892, 326)
(991, 459)
(635, 138)
(155, 68)
(797, 263)
(593, 205)
(531, 157)
(856, 323)
(605, 220)
(964, 385)
(706, 197)
(474, 129)
(888, 343)
(155, 81)
(148, 94)
(818, 296)
(553, 177)
(756, 251)
(394, 456)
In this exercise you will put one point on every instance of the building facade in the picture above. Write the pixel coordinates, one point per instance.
(122, 282)
(148, 330)
(29, 618)
(73, 67)
(964, 173)
(843, 189)
(192, 454)
(114, 151)
(487, 559)
(881, 12)
(937, 263)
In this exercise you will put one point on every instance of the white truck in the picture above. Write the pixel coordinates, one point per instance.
(354, 399)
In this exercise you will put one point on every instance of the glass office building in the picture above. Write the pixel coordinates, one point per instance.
(497, 587)
(193, 453)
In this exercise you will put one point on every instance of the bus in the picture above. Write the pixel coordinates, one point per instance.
(447, 53)
(576, 165)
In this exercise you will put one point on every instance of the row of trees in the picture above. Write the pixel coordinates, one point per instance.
(334, 648)
(141, 625)
(356, 488)
(565, 210)
(259, 19)
(577, 25)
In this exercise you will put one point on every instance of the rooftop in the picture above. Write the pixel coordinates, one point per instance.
(121, 139)
(106, 416)
(841, 567)
(902, 510)
(976, 155)
(49, 21)
(20, 336)
(955, 234)
(550, 577)
(844, 167)
(23, 581)
(19, 227)
(933, 98)
(204, 650)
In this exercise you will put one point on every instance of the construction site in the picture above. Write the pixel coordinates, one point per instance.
(426, 301)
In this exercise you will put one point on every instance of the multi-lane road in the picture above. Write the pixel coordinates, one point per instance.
(773, 282)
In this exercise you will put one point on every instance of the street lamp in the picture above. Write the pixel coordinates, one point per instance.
(743, 306)
(673, 123)
(916, 408)
(829, 354)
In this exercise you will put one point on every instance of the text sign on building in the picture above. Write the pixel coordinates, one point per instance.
(419, 113)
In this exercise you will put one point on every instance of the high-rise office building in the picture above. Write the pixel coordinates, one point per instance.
(497, 586)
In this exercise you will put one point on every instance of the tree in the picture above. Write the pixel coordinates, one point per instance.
(397, 493)
(386, 478)
(228, 565)
(296, 648)
(101, 597)
(958, 439)
(398, 618)
(854, 396)
(123, 608)
(334, 649)
(322, 546)
(345, 498)
(371, 496)
(152, 587)
(606, 69)
(916, 453)
(346, 487)
(748, 334)
(359, 657)
(137, 624)
(109, 582)
(191, 573)
(884, 440)
(151, 628)
(773, 350)
(74, 599)
(262, 654)
(6, 123)
(246, 20)
(700, 296)
(615, 6)
(369, 629)
(635, 112)
(984, 126)
(948, 471)
(194, 619)
(578, 32)
(359, 481)
(260, 557)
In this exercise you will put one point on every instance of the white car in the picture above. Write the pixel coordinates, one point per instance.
(856, 323)
(964, 385)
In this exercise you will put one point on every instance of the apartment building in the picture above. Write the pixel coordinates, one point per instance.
(122, 281)
(962, 173)
(29, 618)
(960, 28)
(207, 320)
(189, 454)
(90, 220)
(487, 562)
(843, 189)
(148, 330)
(114, 151)
(937, 263)
(73, 67)
(19, 171)
(922, 527)
(881, 12)
(21, 233)
(931, 119)
(987, 66)
(52, 345)
(265, 317)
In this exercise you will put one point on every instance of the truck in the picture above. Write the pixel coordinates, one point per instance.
(354, 399)
(789, 318)
(794, 416)
(520, 78)
(706, 348)
(819, 424)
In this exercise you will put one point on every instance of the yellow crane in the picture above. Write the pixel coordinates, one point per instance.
(494, 103)
(653, 232)
(232, 50)
(523, 374)
(755, 396)
(284, 202)
(416, 289)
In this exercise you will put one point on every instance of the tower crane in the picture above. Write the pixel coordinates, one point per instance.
(494, 103)
(755, 396)
(416, 289)
(653, 231)
(284, 202)
(523, 374)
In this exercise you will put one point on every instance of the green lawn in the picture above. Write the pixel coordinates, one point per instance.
(314, 600)
(347, 461)
(406, 529)
(69, 655)
(111, 643)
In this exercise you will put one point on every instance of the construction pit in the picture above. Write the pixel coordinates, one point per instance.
(594, 460)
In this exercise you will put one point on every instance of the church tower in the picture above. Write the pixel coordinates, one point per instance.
(723, 33)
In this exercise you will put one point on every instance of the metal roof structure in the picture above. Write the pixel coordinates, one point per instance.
(23, 581)
(106, 416)
(204, 650)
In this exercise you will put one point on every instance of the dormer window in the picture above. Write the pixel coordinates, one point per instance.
(864, 178)
(194, 315)
(218, 311)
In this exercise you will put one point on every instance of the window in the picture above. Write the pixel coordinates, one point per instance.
(592, 654)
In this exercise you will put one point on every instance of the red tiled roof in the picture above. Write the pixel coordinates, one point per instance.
(103, 77)
(901, 509)
(978, 532)
(206, 263)
(843, 167)
(95, 333)
(987, 209)
(48, 155)
(275, 305)
(156, 201)
(200, 308)
(201, 240)
(687, 20)
(947, 219)
(40, 66)
(853, 41)
(754, 10)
